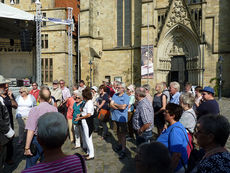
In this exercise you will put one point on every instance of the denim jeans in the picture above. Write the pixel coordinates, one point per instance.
(31, 161)
(144, 137)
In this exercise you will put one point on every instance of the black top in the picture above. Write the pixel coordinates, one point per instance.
(106, 98)
(8, 105)
(208, 107)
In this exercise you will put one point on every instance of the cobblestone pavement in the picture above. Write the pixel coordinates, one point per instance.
(106, 160)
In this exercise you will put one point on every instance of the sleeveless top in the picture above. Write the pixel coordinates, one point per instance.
(157, 102)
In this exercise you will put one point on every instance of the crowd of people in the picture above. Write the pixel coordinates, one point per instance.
(188, 124)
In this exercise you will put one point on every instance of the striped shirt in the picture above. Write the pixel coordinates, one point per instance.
(143, 115)
(68, 164)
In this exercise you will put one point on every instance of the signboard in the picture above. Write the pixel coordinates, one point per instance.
(147, 62)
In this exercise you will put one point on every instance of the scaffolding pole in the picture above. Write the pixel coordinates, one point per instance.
(38, 43)
(70, 49)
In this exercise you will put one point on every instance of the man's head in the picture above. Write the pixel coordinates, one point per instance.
(3, 83)
(120, 87)
(44, 94)
(188, 87)
(147, 88)
(207, 93)
(140, 93)
(55, 84)
(34, 85)
(52, 130)
(174, 87)
(81, 83)
(62, 83)
(164, 85)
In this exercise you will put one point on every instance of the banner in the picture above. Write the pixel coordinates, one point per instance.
(147, 62)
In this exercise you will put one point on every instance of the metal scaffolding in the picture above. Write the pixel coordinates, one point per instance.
(38, 20)
(69, 22)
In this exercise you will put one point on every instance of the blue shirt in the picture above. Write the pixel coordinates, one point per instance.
(174, 138)
(120, 115)
(175, 98)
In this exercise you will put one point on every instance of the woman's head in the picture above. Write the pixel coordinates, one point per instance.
(159, 87)
(173, 111)
(77, 96)
(153, 157)
(24, 91)
(102, 89)
(52, 130)
(212, 129)
(130, 89)
(86, 94)
(187, 100)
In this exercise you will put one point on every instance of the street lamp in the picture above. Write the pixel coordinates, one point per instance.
(90, 74)
(220, 60)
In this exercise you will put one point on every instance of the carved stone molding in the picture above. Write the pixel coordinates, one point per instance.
(178, 15)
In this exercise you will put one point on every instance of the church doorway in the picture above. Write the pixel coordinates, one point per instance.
(178, 72)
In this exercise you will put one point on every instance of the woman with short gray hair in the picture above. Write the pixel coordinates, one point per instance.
(188, 118)
(52, 133)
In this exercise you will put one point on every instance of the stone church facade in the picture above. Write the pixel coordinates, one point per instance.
(187, 36)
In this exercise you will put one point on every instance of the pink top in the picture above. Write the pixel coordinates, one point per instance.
(69, 105)
(35, 113)
(68, 164)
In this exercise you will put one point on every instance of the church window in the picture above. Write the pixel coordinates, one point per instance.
(47, 69)
(123, 23)
(44, 41)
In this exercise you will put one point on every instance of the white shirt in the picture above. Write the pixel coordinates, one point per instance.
(88, 108)
(80, 89)
(24, 106)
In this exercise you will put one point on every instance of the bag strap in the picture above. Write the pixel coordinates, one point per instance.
(182, 161)
(82, 162)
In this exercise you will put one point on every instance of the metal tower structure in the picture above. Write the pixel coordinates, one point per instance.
(70, 49)
(38, 20)
(69, 22)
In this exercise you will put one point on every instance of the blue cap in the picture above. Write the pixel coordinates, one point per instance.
(208, 89)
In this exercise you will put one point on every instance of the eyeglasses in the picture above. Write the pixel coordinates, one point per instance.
(34, 85)
(78, 98)
(61, 83)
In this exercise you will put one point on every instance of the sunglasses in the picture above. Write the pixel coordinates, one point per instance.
(78, 98)
(21, 92)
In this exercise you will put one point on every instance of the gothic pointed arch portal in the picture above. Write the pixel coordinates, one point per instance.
(179, 56)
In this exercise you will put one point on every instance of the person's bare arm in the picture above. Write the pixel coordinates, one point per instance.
(122, 107)
(13, 102)
(29, 137)
(143, 128)
(175, 160)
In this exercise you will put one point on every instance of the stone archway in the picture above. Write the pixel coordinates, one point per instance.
(179, 41)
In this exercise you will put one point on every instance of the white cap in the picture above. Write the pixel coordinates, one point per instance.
(94, 88)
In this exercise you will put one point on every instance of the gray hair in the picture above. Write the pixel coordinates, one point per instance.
(146, 86)
(52, 129)
(175, 85)
(187, 99)
(140, 91)
(154, 157)
(217, 125)
(122, 84)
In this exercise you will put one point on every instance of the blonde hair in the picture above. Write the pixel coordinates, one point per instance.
(24, 89)
(161, 87)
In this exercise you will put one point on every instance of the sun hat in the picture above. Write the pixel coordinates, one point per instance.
(3, 80)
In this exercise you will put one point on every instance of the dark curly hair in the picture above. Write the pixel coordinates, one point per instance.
(86, 93)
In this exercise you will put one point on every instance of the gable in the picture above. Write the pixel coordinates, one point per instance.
(178, 14)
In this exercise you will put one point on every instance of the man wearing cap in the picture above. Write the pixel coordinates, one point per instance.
(210, 105)
(56, 92)
(6, 132)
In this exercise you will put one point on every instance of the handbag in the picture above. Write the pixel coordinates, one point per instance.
(103, 115)
(33, 149)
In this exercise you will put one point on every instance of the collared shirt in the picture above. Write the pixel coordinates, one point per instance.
(65, 93)
(144, 114)
(35, 93)
(120, 115)
(57, 94)
(35, 113)
(80, 89)
(175, 98)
